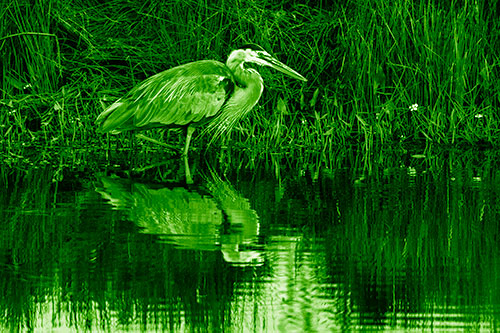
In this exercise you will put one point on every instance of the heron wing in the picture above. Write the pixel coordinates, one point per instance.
(179, 96)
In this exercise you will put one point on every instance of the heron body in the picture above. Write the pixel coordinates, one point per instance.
(183, 95)
(205, 92)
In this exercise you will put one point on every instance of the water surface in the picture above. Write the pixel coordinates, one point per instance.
(407, 244)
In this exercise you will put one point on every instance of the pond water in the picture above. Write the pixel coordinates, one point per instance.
(411, 243)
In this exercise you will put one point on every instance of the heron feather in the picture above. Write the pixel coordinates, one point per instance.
(178, 96)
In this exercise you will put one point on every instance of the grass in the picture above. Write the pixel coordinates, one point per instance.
(379, 73)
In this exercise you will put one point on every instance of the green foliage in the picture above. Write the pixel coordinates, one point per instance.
(379, 72)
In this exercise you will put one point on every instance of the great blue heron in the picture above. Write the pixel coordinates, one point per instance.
(205, 92)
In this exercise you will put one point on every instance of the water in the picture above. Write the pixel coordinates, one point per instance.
(402, 246)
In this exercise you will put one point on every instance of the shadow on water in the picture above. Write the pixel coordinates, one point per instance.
(404, 242)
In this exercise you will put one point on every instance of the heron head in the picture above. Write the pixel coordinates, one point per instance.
(253, 53)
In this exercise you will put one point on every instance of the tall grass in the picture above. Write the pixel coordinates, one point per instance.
(433, 55)
(379, 72)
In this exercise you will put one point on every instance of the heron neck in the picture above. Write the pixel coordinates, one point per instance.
(242, 76)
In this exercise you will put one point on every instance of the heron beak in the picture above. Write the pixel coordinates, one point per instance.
(264, 59)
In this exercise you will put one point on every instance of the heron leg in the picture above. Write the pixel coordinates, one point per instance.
(189, 180)
(190, 131)
(141, 136)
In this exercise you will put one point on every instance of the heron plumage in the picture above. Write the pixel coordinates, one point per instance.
(242, 99)
(182, 95)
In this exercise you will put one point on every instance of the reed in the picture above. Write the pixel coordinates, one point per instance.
(379, 73)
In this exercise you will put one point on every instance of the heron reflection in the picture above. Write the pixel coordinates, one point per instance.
(212, 217)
